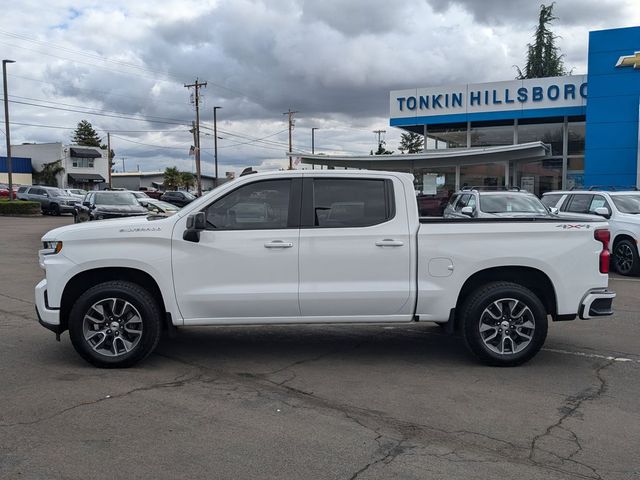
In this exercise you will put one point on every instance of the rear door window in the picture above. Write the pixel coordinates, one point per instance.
(346, 202)
(578, 203)
(464, 200)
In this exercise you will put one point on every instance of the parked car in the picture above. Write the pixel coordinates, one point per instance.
(158, 206)
(474, 203)
(4, 191)
(102, 204)
(178, 198)
(151, 192)
(53, 200)
(75, 192)
(116, 285)
(620, 208)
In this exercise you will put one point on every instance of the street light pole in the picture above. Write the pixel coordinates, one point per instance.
(6, 126)
(215, 141)
(313, 144)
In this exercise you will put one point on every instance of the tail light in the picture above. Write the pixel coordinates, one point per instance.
(603, 236)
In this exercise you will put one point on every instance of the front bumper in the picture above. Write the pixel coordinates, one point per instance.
(47, 316)
(597, 303)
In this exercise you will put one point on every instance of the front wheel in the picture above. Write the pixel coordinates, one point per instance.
(115, 324)
(504, 324)
(625, 254)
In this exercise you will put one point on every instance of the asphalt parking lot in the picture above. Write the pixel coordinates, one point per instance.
(303, 402)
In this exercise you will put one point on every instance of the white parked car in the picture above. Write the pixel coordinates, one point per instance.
(323, 247)
(75, 192)
(620, 208)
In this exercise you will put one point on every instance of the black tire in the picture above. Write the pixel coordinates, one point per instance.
(625, 258)
(504, 300)
(143, 304)
(54, 208)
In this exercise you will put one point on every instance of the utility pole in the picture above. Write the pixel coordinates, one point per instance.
(109, 156)
(313, 145)
(123, 167)
(6, 126)
(291, 124)
(380, 141)
(197, 85)
(215, 141)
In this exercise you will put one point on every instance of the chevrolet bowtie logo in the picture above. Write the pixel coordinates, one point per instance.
(629, 61)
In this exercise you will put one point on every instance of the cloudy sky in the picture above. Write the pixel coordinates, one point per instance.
(122, 66)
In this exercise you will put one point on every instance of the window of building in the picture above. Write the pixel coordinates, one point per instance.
(575, 173)
(539, 176)
(447, 136)
(492, 134)
(434, 186)
(82, 162)
(548, 131)
(576, 135)
(483, 175)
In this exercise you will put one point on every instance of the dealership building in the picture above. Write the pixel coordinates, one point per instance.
(539, 134)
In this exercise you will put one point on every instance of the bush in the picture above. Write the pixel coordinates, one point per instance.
(19, 207)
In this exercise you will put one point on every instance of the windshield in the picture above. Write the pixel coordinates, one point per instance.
(505, 203)
(189, 196)
(162, 205)
(77, 191)
(116, 198)
(627, 203)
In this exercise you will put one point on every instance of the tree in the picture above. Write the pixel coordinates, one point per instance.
(49, 173)
(381, 150)
(172, 178)
(84, 134)
(187, 180)
(411, 143)
(543, 56)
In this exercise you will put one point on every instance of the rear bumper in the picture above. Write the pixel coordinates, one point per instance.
(47, 316)
(597, 303)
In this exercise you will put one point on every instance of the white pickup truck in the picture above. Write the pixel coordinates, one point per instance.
(319, 247)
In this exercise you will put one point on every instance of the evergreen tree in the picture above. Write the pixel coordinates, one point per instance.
(411, 143)
(543, 56)
(84, 134)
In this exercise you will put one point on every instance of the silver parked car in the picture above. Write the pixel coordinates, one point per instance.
(53, 201)
(477, 203)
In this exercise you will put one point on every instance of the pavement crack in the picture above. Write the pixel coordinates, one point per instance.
(175, 383)
(17, 299)
(556, 433)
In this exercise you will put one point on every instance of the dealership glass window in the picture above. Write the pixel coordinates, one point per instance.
(82, 162)
(483, 175)
(434, 186)
(491, 134)
(575, 173)
(539, 176)
(449, 136)
(576, 135)
(549, 132)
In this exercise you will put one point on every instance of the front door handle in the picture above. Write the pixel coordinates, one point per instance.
(389, 242)
(278, 244)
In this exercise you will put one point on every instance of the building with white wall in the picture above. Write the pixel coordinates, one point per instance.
(84, 167)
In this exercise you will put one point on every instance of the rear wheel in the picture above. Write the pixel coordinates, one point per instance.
(504, 324)
(625, 254)
(115, 324)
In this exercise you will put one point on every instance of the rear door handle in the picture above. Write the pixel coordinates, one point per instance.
(389, 242)
(278, 244)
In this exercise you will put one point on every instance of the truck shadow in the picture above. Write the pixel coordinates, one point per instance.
(272, 348)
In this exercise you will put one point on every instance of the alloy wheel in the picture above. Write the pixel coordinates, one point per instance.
(112, 327)
(624, 258)
(507, 326)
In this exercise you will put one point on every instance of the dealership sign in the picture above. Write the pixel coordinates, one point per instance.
(536, 93)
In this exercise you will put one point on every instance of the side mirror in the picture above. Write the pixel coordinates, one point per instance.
(603, 212)
(554, 210)
(86, 204)
(45, 194)
(467, 211)
(196, 222)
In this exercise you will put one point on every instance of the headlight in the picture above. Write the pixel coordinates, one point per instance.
(51, 248)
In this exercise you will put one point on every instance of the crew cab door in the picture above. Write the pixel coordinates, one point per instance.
(244, 267)
(355, 249)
